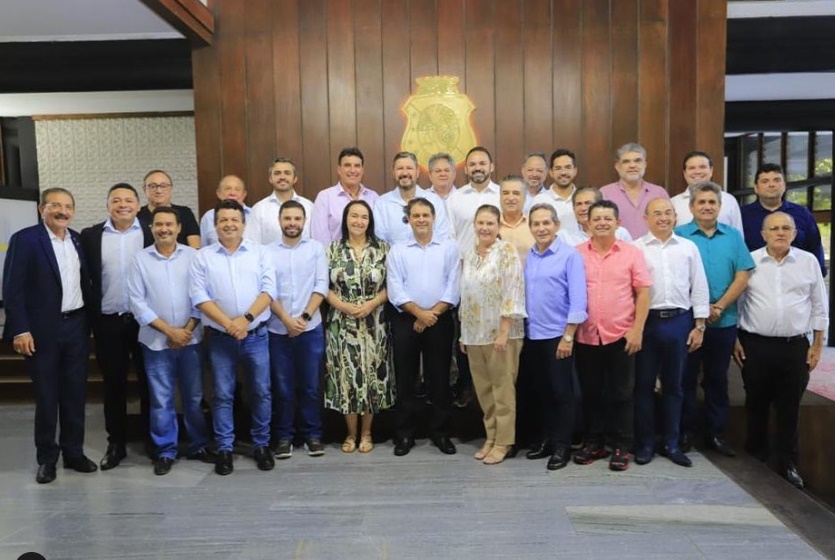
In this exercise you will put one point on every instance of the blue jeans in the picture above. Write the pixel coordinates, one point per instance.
(664, 355)
(296, 367)
(225, 353)
(165, 370)
(714, 358)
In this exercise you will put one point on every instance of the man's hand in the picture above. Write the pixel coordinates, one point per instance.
(24, 344)
(237, 328)
(813, 356)
(564, 349)
(178, 338)
(694, 340)
(634, 340)
(715, 313)
(739, 353)
(295, 326)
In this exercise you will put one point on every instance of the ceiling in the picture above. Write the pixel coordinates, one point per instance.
(81, 20)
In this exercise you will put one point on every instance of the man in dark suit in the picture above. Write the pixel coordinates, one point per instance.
(110, 247)
(45, 288)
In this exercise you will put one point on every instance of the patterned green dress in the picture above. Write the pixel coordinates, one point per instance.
(358, 358)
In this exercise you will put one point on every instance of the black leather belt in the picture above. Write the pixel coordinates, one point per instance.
(123, 316)
(70, 314)
(667, 313)
(794, 338)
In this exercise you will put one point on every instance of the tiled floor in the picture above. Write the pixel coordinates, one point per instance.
(423, 506)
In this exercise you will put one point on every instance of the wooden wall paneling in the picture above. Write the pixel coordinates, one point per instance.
(318, 160)
(287, 92)
(207, 115)
(342, 106)
(596, 87)
(368, 47)
(652, 87)
(567, 84)
(423, 52)
(710, 81)
(624, 73)
(539, 67)
(479, 21)
(683, 51)
(452, 52)
(260, 96)
(510, 91)
(233, 79)
(397, 85)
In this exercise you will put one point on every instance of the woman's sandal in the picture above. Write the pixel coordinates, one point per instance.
(484, 451)
(349, 445)
(366, 444)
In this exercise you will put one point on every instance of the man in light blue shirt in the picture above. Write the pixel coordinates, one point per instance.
(232, 283)
(390, 222)
(297, 340)
(169, 336)
(556, 301)
(423, 285)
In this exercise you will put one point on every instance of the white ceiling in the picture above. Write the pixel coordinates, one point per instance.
(80, 20)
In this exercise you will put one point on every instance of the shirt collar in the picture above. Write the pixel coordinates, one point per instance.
(343, 192)
(650, 239)
(177, 251)
(764, 256)
(414, 242)
(244, 246)
(108, 226)
(553, 248)
(522, 220)
(281, 243)
(491, 187)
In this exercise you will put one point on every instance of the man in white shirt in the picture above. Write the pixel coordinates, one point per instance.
(265, 227)
(534, 172)
(560, 194)
(442, 175)
(698, 167)
(785, 299)
(463, 203)
(231, 187)
(679, 306)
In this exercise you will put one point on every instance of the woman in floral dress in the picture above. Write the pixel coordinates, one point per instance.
(358, 379)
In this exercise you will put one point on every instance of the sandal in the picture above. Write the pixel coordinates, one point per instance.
(496, 455)
(484, 451)
(366, 443)
(349, 445)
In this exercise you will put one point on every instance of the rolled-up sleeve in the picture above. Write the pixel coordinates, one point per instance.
(577, 293)
(137, 294)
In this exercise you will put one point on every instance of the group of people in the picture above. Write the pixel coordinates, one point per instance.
(565, 304)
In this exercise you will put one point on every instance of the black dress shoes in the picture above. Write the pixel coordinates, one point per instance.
(793, 476)
(223, 465)
(402, 446)
(162, 465)
(685, 443)
(559, 459)
(512, 451)
(81, 464)
(46, 473)
(444, 444)
(263, 458)
(718, 444)
(204, 455)
(539, 451)
(113, 456)
(678, 457)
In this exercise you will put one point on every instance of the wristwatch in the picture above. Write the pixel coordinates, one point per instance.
(701, 328)
(306, 316)
(568, 338)
(248, 316)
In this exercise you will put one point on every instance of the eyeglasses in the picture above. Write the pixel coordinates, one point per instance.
(158, 186)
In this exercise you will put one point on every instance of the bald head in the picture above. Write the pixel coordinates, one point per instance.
(231, 187)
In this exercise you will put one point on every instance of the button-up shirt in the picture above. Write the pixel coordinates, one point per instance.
(555, 290)
(808, 235)
(632, 213)
(232, 280)
(611, 279)
(519, 235)
(575, 237)
(300, 271)
(723, 255)
(158, 289)
(423, 274)
(208, 232)
(462, 206)
(118, 248)
(326, 223)
(389, 211)
(728, 213)
(678, 276)
(69, 267)
(265, 227)
(563, 206)
(785, 298)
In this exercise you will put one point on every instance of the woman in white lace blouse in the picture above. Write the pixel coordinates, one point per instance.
(492, 312)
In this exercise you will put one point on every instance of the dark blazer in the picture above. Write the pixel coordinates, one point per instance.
(91, 241)
(32, 289)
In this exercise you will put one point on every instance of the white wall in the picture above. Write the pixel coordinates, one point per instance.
(87, 156)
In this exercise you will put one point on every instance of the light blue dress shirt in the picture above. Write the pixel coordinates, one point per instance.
(300, 271)
(389, 211)
(555, 290)
(424, 275)
(158, 289)
(232, 280)
(118, 248)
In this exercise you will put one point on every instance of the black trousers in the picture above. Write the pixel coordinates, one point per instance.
(116, 347)
(554, 382)
(607, 379)
(59, 374)
(775, 372)
(530, 429)
(434, 345)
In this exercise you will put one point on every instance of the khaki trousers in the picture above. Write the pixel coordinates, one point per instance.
(494, 379)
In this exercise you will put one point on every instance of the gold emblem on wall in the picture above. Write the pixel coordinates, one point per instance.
(439, 119)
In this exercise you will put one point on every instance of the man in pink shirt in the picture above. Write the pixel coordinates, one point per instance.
(631, 193)
(618, 283)
(326, 224)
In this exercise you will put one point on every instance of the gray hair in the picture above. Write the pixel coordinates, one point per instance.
(545, 206)
(404, 155)
(630, 147)
(597, 196)
(439, 156)
(705, 186)
(540, 155)
(46, 192)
